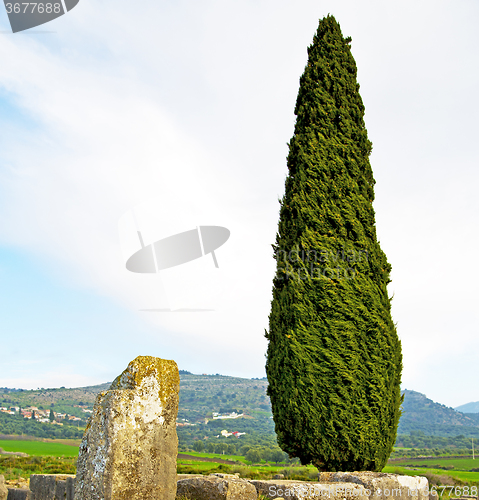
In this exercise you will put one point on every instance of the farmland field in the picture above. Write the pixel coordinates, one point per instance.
(457, 469)
(234, 458)
(40, 448)
(457, 463)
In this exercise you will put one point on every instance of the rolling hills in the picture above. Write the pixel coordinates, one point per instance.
(203, 395)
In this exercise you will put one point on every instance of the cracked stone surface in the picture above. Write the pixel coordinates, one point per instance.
(347, 486)
(130, 446)
(3, 489)
(216, 488)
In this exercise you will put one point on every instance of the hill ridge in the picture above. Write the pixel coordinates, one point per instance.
(201, 395)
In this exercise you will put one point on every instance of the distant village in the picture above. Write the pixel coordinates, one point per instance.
(44, 416)
(183, 422)
(55, 418)
(217, 416)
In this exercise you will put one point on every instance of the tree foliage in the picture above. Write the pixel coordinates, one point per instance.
(253, 456)
(334, 359)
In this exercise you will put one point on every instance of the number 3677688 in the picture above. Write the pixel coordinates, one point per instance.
(23, 8)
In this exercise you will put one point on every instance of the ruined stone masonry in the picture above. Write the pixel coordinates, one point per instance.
(216, 488)
(51, 486)
(348, 486)
(332, 486)
(130, 445)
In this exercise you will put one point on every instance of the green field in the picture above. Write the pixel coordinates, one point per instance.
(459, 469)
(257, 471)
(39, 448)
(461, 472)
(234, 458)
(457, 463)
(456, 476)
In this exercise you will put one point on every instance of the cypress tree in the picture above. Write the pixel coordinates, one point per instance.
(334, 359)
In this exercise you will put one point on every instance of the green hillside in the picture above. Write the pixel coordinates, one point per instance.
(200, 395)
(60, 400)
(434, 419)
(422, 423)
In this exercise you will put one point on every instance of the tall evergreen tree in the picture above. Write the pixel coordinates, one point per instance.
(334, 359)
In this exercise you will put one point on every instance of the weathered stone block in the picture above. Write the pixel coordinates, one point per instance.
(19, 494)
(70, 493)
(3, 489)
(43, 486)
(187, 476)
(383, 486)
(216, 488)
(302, 490)
(61, 490)
(348, 485)
(130, 446)
(49, 486)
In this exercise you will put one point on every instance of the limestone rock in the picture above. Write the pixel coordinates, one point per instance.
(130, 446)
(179, 477)
(346, 486)
(383, 486)
(70, 488)
(49, 486)
(216, 488)
(61, 490)
(303, 490)
(3, 489)
(19, 494)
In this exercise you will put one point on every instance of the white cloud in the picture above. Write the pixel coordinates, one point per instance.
(191, 105)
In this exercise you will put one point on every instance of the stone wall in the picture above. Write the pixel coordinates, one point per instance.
(332, 486)
(47, 486)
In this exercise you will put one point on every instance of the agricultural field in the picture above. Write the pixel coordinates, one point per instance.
(54, 458)
(20, 468)
(234, 458)
(39, 448)
(60, 456)
(444, 471)
(446, 462)
(263, 471)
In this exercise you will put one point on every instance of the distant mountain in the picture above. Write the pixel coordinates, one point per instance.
(434, 419)
(468, 408)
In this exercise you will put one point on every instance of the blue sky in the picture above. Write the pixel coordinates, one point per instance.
(55, 330)
(180, 114)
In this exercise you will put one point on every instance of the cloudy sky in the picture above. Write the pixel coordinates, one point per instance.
(163, 116)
